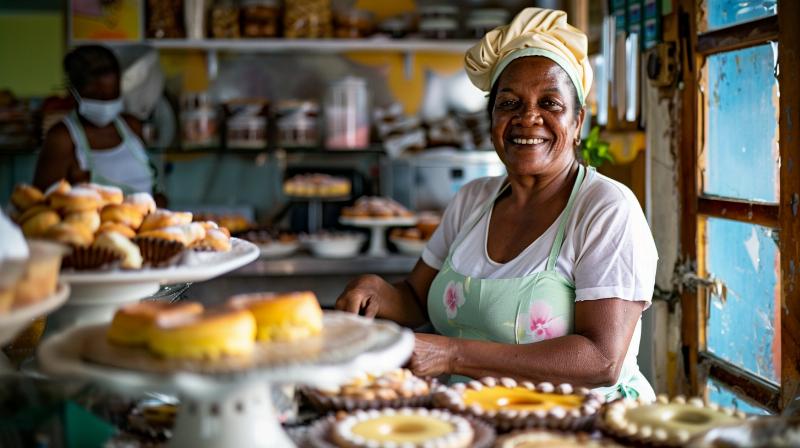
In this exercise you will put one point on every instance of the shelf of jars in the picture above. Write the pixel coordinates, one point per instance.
(283, 45)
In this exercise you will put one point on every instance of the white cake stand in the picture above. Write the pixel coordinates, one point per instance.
(96, 295)
(17, 320)
(378, 226)
(235, 409)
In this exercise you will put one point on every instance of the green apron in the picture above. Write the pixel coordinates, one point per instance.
(134, 146)
(519, 310)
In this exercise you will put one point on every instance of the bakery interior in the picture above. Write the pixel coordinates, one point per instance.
(301, 144)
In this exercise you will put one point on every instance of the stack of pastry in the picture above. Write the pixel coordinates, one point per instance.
(395, 388)
(105, 228)
(187, 330)
(317, 185)
(376, 207)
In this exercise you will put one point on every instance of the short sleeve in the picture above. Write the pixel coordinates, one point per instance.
(455, 215)
(617, 255)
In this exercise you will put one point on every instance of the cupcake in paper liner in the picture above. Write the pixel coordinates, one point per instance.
(509, 405)
(158, 252)
(84, 258)
(397, 388)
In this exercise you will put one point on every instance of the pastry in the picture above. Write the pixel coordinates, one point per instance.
(116, 227)
(41, 273)
(406, 427)
(38, 225)
(215, 240)
(88, 218)
(26, 196)
(62, 186)
(109, 193)
(143, 201)
(210, 335)
(117, 243)
(14, 254)
(282, 316)
(164, 218)
(665, 422)
(395, 388)
(376, 207)
(31, 212)
(317, 185)
(171, 233)
(71, 234)
(511, 405)
(537, 438)
(127, 214)
(132, 323)
(76, 199)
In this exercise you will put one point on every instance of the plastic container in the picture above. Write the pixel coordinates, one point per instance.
(439, 28)
(225, 20)
(481, 21)
(194, 17)
(164, 19)
(347, 114)
(354, 23)
(307, 19)
(433, 12)
(199, 121)
(297, 123)
(246, 131)
(260, 18)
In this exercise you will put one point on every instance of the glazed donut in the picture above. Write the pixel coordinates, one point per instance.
(127, 214)
(26, 196)
(70, 233)
(144, 201)
(76, 200)
(38, 225)
(121, 245)
(210, 335)
(116, 227)
(215, 240)
(284, 316)
(132, 323)
(109, 193)
(88, 218)
(164, 218)
(61, 186)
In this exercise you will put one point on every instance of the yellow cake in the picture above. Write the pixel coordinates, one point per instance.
(282, 316)
(210, 335)
(417, 427)
(132, 323)
(666, 422)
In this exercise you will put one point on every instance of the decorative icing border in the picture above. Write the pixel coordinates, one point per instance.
(542, 435)
(461, 437)
(555, 418)
(615, 421)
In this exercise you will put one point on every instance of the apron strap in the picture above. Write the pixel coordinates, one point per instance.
(562, 226)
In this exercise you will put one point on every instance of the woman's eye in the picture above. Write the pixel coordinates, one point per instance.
(507, 104)
(550, 104)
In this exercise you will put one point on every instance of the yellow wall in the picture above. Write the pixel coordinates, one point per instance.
(31, 49)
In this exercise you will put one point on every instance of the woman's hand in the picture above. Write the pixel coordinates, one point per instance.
(362, 295)
(432, 356)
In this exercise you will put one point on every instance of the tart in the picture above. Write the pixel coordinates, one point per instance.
(394, 389)
(282, 316)
(208, 336)
(511, 405)
(665, 422)
(132, 323)
(537, 438)
(404, 427)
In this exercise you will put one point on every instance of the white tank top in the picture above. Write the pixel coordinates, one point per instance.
(125, 166)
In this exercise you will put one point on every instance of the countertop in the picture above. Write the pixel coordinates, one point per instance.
(303, 264)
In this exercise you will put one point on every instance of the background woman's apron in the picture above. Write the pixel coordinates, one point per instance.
(519, 310)
(125, 166)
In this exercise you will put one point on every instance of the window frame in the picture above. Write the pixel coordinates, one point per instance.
(783, 216)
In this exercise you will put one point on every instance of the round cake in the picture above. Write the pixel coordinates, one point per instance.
(511, 405)
(282, 316)
(665, 422)
(396, 388)
(403, 428)
(551, 439)
(210, 335)
(132, 323)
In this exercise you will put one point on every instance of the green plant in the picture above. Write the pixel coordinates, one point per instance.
(595, 151)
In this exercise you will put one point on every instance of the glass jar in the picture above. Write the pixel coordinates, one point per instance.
(347, 114)
(164, 19)
(260, 18)
(439, 28)
(297, 123)
(307, 19)
(353, 23)
(434, 12)
(481, 21)
(199, 121)
(225, 20)
(247, 132)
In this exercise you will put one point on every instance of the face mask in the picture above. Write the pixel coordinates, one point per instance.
(100, 113)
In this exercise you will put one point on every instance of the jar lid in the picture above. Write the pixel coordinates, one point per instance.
(438, 9)
(284, 107)
(438, 25)
(498, 13)
(246, 121)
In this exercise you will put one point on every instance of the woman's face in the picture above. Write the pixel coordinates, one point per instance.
(534, 119)
(104, 87)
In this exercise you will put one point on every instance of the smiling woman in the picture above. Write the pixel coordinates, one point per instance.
(543, 274)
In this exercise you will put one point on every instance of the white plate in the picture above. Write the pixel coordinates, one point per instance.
(409, 247)
(16, 320)
(378, 222)
(278, 249)
(335, 247)
(196, 267)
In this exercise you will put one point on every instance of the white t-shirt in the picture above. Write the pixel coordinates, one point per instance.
(608, 249)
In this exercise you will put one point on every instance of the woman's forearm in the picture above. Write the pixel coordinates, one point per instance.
(570, 359)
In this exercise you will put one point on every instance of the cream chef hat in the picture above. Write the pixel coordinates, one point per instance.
(533, 32)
